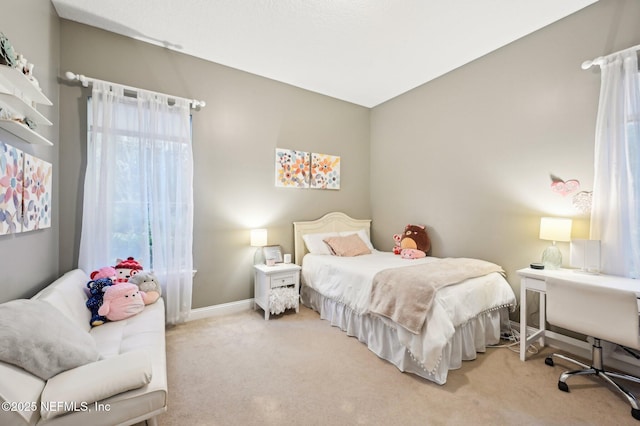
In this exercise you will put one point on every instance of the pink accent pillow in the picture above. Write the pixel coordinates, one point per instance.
(348, 246)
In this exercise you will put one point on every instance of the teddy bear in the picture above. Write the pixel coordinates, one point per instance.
(149, 285)
(121, 301)
(97, 288)
(127, 268)
(414, 242)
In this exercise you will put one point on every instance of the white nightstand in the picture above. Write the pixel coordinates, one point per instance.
(267, 278)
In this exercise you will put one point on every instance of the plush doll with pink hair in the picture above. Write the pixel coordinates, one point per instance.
(106, 272)
(121, 301)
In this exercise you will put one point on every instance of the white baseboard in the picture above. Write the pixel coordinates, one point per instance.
(222, 309)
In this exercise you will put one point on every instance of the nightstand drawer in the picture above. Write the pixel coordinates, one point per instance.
(280, 280)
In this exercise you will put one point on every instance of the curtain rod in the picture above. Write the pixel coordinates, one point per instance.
(86, 81)
(600, 59)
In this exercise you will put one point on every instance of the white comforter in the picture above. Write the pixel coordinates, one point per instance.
(348, 280)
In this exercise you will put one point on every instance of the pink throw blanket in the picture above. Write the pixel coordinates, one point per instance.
(406, 294)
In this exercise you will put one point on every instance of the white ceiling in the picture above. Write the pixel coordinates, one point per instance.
(362, 51)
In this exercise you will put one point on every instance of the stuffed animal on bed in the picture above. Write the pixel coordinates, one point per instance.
(414, 242)
(97, 288)
(149, 285)
(396, 247)
(126, 268)
(121, 301)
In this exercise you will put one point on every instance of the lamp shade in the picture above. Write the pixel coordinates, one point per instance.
(258, 237)
(555, 229)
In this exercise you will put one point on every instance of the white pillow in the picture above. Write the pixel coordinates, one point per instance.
(315, 242)
(84, 385)
(362, 234)
(37, 337)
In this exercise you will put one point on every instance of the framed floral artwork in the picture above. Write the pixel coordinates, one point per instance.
(11, 188)
(36, 203)
(325, 171)
(292, 168)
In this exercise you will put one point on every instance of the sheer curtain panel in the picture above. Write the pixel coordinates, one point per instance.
(615, 216)
(138, 192)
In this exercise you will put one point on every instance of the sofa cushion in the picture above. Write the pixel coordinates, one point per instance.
(73, 389)
(68, 294)
(18, 385)
(39, 338)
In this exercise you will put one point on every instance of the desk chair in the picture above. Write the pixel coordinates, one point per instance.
(602, 313)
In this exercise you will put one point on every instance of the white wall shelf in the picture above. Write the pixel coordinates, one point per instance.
(20, 96)
(24, 132)
(19, 85)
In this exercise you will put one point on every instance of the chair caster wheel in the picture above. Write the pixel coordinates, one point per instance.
(549, 361)
(635, 414)
(563, 386)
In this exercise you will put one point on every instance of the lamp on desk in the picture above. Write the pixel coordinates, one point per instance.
(258, 239)
(554, 229)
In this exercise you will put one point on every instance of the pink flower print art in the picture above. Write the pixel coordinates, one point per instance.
(11, 189)
(292, 168)
(37, 193)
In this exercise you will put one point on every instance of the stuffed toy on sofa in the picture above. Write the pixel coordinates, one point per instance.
(126, 268)
(149, 285)
(105, 272)
(121, 301)
(97, 288)
(414, 242)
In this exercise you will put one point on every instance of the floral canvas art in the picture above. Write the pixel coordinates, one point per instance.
(36, 193)
(325, 171)
(11, 188)
(292, 168)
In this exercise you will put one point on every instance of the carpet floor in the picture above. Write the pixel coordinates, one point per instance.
(297, 369)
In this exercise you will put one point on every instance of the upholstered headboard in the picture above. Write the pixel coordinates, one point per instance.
(330, 222)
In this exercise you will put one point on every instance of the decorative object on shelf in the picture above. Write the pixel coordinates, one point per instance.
(259, 240)
(7, 54)
(272, 254)
(29, 123)
(554, 229)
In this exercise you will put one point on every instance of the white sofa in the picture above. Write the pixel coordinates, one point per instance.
(131, 353)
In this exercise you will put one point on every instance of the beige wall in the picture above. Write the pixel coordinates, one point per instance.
(468, 154)
(29, 261)
(473, 150)
(234, 140)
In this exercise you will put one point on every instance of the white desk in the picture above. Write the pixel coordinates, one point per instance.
(535, 280)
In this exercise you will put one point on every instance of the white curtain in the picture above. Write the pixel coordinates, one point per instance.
(138, 191)
(615, 216)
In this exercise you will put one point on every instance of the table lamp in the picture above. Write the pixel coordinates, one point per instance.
(554, 229)
(258, 239)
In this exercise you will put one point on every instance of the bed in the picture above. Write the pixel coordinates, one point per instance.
(461, 320)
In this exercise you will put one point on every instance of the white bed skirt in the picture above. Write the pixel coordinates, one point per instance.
(381, 337)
